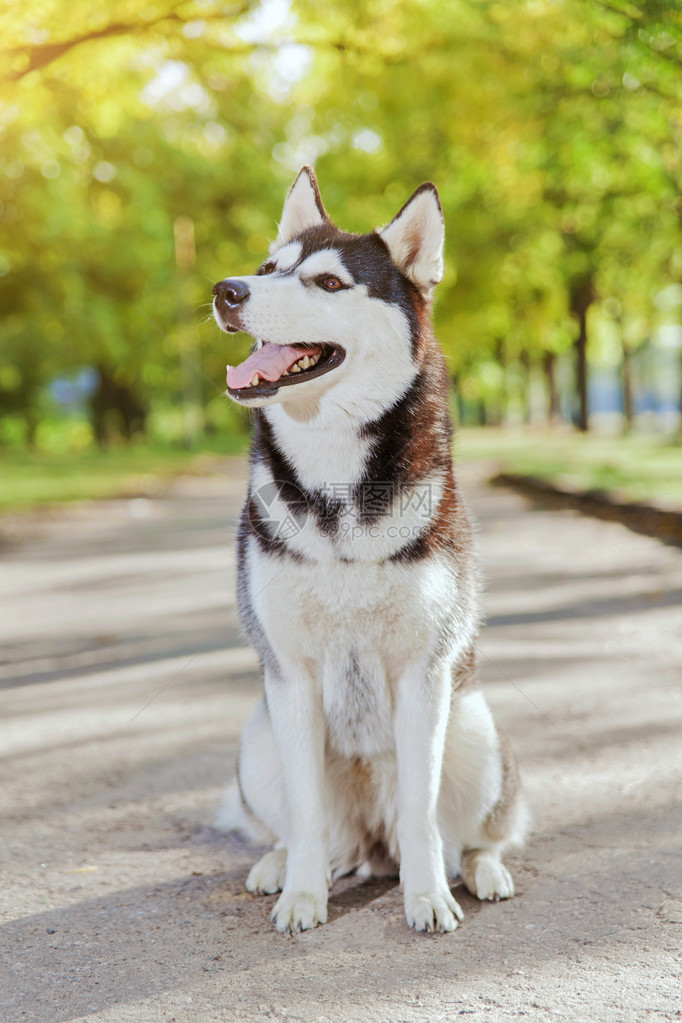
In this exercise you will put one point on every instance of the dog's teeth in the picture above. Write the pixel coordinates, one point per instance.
(296, 368)
(285, 373)
(255, 380)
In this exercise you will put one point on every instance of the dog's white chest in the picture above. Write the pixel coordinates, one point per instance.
(357, 702)
(356, 629)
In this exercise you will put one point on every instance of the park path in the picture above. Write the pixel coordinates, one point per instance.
(124, 684)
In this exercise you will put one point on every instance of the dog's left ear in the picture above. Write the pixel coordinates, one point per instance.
(303, 207)
(415, 238)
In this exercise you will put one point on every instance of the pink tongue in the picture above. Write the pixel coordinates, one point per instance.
(269, 361)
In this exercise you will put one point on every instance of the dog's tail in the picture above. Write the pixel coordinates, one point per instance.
(235, 814)
(230, 816)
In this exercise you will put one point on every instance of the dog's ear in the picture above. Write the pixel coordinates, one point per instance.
(415, 237)
(302, 207)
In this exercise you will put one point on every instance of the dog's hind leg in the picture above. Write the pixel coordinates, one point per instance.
(483, 872)
(485, 875)
(261, 790)
(481, 810)
(267, 876)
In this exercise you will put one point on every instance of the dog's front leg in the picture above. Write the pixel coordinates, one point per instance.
(297, 717)
(421, 718)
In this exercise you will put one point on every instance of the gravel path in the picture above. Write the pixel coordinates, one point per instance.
(124, 684)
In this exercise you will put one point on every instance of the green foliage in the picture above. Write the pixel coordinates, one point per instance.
(552, 130)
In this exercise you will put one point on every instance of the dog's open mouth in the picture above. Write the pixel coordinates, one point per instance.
(273, 366)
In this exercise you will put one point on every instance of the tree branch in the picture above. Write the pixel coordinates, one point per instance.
(46, 53)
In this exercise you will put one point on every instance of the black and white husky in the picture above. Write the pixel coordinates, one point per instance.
(373, 750)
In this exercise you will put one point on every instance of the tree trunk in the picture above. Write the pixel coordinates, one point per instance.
(501, 359)
(524, 359)
(582, 296)
(31, 421)
(549, 366)
(626, 383)
(583, 422)
(115, 409)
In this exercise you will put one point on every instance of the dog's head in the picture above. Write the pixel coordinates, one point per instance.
(334, 314)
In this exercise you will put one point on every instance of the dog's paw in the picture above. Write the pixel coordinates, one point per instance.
(299, 911)
(487, 878)
(267, 876)
(493, 881)
(432, 911)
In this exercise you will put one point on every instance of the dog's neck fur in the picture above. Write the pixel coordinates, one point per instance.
(400, 444)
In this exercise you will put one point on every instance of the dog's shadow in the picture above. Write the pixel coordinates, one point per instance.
(352, 893)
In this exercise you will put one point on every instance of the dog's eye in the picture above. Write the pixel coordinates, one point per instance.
(269, 268)
(331, 283)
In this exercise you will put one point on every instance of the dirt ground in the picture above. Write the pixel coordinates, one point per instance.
(125, 683)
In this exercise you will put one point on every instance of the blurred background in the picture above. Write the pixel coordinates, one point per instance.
(145, 149)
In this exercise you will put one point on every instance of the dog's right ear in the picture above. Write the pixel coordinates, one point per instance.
(303, 207)
(415, 237)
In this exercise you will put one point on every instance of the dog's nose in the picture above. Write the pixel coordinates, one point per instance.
(232, 292)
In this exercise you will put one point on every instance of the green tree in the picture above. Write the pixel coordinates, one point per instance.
(552, 131)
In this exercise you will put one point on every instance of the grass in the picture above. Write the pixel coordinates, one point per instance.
(636, 468)
(639, 467)
(32, 479)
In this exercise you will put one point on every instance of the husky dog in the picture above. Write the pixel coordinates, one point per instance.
(372, 750)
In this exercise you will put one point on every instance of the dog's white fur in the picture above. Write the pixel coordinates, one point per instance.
(388, 763)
